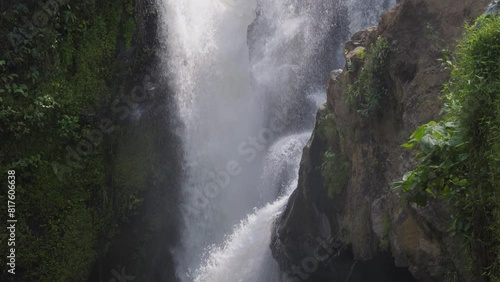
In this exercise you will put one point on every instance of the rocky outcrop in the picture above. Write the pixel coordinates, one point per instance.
(367, 231)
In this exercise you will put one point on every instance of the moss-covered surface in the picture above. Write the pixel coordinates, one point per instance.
(335, 172)
(62, 68)
(335, 167)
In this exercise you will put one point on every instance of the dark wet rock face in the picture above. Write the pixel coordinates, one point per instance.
(372, 232)
(145, 154)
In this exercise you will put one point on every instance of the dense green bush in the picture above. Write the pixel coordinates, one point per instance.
(459, 157)
(366, 93)
(50, 77)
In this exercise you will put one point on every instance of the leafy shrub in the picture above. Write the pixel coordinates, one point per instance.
(68, 127)
(368, 90)
(48, 78)
(459, 157)
(441, 141)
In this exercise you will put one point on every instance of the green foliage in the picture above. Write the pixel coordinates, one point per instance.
(327, 127)
(368, 90)
(459, 157)
(49, 77)
(69, 127)
(441, 141)
(335, 172)
(361, 53)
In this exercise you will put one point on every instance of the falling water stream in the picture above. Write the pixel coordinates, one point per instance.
(248, 77)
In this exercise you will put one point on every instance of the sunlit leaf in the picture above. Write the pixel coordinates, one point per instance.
(429, 191)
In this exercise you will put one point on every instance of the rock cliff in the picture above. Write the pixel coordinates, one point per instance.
(366, 230)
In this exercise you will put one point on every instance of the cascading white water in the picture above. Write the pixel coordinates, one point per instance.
(209, 63)
(241, 109)
(247, 248)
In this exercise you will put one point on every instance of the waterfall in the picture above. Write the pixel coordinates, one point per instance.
(247, 248)
(209, 62)
(248, 77)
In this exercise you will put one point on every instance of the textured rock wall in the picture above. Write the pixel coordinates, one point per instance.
(376, 234)
(144, 157)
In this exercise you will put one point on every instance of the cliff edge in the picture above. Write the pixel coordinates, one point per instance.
(349, 225)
